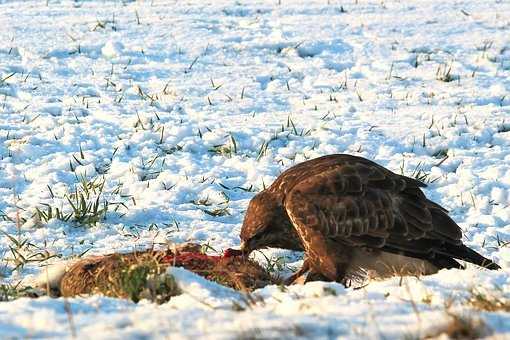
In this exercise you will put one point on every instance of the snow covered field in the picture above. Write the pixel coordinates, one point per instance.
(173, 114)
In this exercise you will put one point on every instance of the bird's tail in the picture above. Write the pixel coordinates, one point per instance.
(467, 254)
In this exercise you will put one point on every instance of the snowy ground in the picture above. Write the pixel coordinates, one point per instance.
(186, 109)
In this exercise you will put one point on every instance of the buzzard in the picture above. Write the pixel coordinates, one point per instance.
(355, 218)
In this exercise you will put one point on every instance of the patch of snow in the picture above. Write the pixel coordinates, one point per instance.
(188, 107)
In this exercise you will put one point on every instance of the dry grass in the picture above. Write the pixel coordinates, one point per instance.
(9, 292)
(461, 327)
(488, 303)
(142, 275)
(134, 276)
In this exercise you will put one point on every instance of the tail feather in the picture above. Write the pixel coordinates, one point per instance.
(467, 254)
(445, 262)
(442, 255)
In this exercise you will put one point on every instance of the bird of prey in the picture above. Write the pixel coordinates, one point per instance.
(355, 218)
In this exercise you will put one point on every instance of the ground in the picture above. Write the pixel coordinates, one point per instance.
(130, 124)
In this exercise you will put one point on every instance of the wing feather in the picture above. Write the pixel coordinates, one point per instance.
(356, 202)
(365, 205)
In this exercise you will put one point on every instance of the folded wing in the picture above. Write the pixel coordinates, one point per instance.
(359, 203)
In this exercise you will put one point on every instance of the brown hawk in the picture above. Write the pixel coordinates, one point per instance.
(354, 218)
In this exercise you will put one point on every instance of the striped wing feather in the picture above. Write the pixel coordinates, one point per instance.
(359, 203)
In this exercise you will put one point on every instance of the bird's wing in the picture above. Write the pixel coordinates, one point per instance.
(367, 206)
(347, 165)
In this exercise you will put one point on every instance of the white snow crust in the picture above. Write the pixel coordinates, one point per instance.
(187, 108)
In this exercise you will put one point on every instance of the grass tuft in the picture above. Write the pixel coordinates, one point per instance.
(444, 73)
(9, 292)
(461, 327)
(86, 205)
(488, 303)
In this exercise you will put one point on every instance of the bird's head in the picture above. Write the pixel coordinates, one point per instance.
(266, 224)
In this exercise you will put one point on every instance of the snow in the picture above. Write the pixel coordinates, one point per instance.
(189, 108)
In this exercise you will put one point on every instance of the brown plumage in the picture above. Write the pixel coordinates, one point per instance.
(354, 217)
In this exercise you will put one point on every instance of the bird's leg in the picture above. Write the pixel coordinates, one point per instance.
(317, 276)
(326, 260)
(340, 259)
(325, 256)
(294, 278)
(313, 234)
(307, 274)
